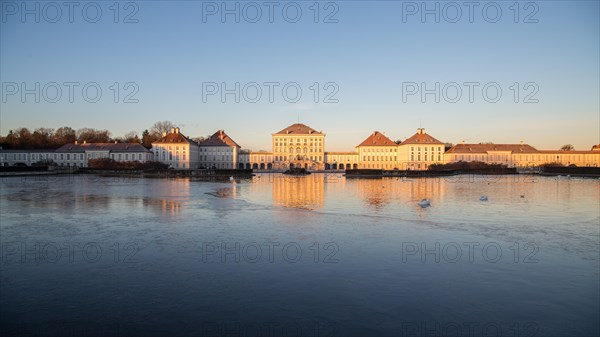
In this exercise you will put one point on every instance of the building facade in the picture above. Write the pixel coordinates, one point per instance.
(79, 154)
(76, 155)
(341, 160)
(378, 152)
(219, 151)
(420, 151)
(176, 150)
(520, 155)
(298, 146)
(25, 157)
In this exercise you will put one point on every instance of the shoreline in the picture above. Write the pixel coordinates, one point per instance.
(245, 174)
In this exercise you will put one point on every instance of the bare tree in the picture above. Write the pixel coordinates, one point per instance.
(64, 135)
(93, 136)
(131, 137)
(42, 138)
(159, 127)
(199, 140)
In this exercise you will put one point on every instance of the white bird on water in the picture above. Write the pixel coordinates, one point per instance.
(231, 178)
(424, 203)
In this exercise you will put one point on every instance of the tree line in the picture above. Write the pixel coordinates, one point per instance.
(48, 138)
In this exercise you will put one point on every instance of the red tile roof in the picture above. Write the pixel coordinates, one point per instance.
(568, 152)
(175, 137)
(484, 148)
(340, 153)
(299, 129)
(219, 138)
(377, 139)
(421, 137)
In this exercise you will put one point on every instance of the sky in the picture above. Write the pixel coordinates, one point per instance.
(504, 73)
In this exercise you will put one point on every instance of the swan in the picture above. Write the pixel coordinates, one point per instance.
(483, 198)
(424, 203)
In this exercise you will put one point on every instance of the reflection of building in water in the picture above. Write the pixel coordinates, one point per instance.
(299, 192)
(374, 192)
(417, 189)
(378, 193)
(166, 196)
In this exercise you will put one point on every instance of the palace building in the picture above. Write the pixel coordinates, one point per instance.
(219, 151)
(177, 150)
(419, 151)
(299, 146)
(520, 155)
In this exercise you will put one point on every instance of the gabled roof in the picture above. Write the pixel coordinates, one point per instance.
(112, 147)
(484, 148)
(340, 153)
(219, 138)
(299, 129)
(568, 152)
(377, 139)
(174, 137)
(26, 150)
(421, 137)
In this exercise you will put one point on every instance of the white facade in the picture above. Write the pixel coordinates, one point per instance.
(176, 150)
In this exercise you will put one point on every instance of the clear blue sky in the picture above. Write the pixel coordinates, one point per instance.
(369, 53)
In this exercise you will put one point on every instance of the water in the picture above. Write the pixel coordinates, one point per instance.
(311, 256)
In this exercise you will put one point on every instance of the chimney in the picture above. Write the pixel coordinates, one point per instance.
(115, 142)
(164, 133)
(84, 142)
(176, 130)
(172, 130)
(75, 142)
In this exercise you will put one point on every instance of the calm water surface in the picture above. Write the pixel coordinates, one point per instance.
(313, 256)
